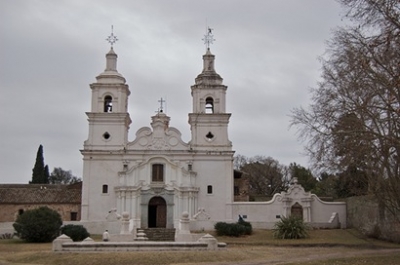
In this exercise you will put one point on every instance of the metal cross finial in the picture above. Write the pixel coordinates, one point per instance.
(209, 37)
(161, 109)
(112, 38)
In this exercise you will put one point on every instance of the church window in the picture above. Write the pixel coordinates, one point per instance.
(157, 174)
(209, 105)
(106, 135)
(105, 189)
(74, 216)
(108, 104)
(236, 190)
(209, 189)
(209, 135)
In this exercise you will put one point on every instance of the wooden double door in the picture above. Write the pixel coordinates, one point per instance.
(157, 213)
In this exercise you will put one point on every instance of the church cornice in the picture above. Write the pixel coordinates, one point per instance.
(221, 118)
(109, 118)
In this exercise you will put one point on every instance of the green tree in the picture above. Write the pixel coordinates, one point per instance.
(38, 225)
(40, 172)
(75, 232)
(60, 176)
(326, 186)
(353, 122)
(304, 176)
(351, 182)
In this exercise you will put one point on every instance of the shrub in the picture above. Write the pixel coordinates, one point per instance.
(38, 225)
(6, 236)
(75, 232)
(248, 228)
(290, 228)
(233, 229)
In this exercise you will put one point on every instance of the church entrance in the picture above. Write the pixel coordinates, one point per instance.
(157, 213)
(297, 210)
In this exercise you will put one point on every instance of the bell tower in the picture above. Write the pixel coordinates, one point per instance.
(109, 119)
(209, 120)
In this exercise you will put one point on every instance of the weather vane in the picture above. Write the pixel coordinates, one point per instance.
(112, 38)
(208, 38)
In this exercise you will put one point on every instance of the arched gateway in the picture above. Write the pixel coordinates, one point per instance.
(157, 212)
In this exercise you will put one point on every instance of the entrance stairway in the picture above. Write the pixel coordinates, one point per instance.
(160, 234)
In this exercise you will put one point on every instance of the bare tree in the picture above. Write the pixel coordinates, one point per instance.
(239, 161)
(353, 120)
(266, 175)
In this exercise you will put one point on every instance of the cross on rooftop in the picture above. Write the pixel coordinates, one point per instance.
(112, 38)
(209, 37)
(161, 101)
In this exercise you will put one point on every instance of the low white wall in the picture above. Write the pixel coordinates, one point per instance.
(264, 215)
(98, 227)
(321, 211)
(6, 227)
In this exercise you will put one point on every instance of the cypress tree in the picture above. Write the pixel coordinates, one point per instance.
(46, 175)
(38, 172)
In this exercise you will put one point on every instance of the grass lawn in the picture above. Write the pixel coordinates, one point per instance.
(340, 247)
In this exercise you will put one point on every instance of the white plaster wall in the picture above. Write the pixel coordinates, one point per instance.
(264, 214)
(97, 228)
(322, 211)
(6, 227)
(100, 172)
(217, 172)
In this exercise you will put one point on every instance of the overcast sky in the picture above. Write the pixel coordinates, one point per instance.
(50, 51)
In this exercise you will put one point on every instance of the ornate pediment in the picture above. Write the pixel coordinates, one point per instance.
(159, 137)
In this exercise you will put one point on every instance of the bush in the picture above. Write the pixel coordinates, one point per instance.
(38, 225)
(75, 232)
(248, 228)
(290, 228)
(6, 236)
(233, 229)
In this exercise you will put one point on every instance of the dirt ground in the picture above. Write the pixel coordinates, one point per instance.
(283, 256)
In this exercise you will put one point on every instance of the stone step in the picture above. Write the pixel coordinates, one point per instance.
(160, 234)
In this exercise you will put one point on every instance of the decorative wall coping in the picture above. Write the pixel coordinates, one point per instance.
(65, 244)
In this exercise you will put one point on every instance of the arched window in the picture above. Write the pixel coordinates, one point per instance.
(209, 105)
(108, 104)
(105, 189)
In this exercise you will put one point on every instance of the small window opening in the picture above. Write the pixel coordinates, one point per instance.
(209, 135)
(108, 104)
(20, 211)
(190, 167)
(209, 105)
(157, 174)
(105, 188)
(236, 190)
(106, 135)
(74, 216)
(125, 167)
(209, 189)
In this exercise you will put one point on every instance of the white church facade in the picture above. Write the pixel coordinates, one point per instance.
(157, 176)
